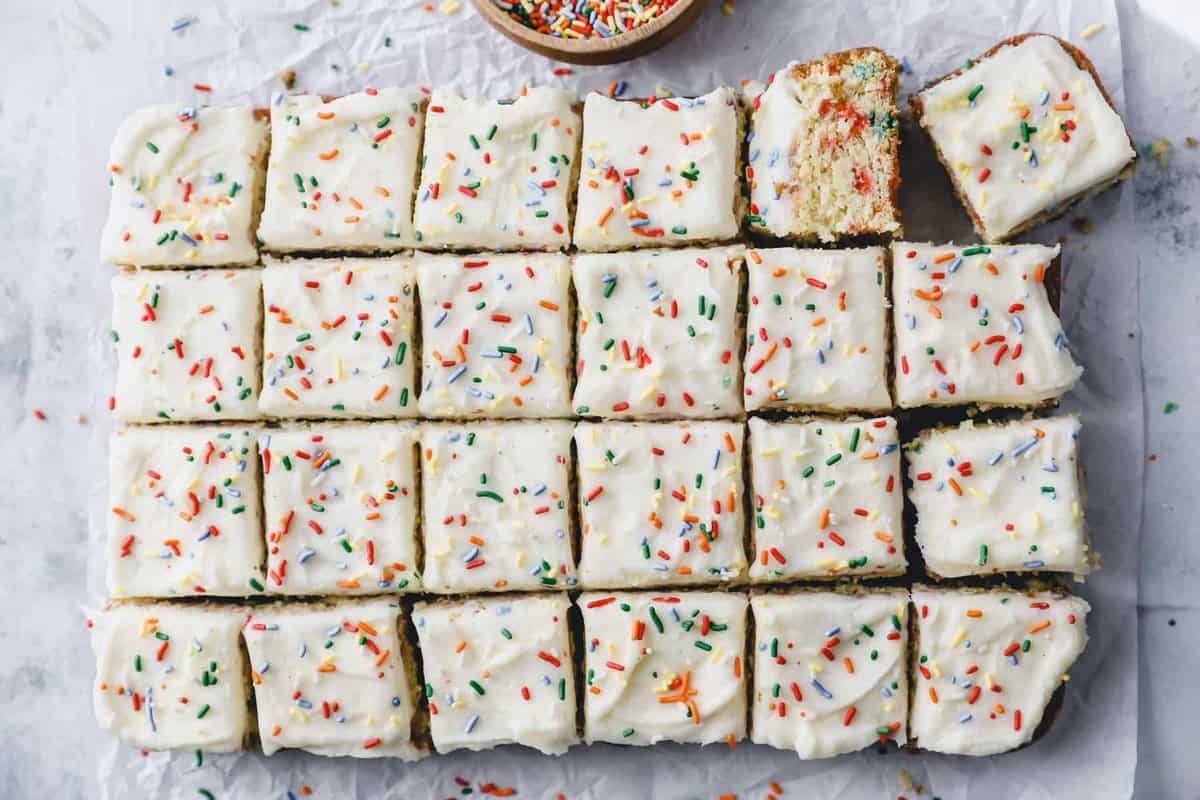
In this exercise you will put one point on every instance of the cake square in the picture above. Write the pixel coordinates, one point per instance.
(661, 503)
(342, 172)
(498, 506)
(187, 345)
(339, 338)
(499, 175)
(335, 679)
(1024, 131)
(1012, 497)
(827, 499)
(184, 516)
(830, 670)
(817, 330)
(186, 187)
(987, 664)
(659, 334)
(823, 161)
(341, 508)
(975, 325)
(499, 671)
(171, 676)
(659, 172)
(496, 335)
(664, 668)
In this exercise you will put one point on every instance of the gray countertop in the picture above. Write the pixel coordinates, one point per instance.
(48, 735)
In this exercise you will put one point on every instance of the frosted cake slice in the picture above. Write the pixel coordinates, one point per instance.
(334, 679)
(827, 499)
(342, 172)
(661, 503)
(1000, 498)
(341, 508)
(339, 338)
(1025, 131)
(830, 670)
(817, 330)
(187, 345)
(171, 676)
(186, 187)
(987, 665)
(496, 335)
(823, 160)
(659, 334)
(497, 501)
(184, 512)
(975, 324)
(664, 667)
(499, 671)
(659, 172)
(498, 175)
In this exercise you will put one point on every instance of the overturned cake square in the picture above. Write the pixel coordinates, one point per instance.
(661, 503)
(186, 187)
(340, 501)
(658, 334)
(659, 172)
(1000, 498)
(339, 338)
(1025, 131)
(664, 667)
(975, 325)
(817, 330)
(498, 175)
(823, 161)
(184, 512)
(827, 499)
(187, 345)
(499, 670)
(342, 172)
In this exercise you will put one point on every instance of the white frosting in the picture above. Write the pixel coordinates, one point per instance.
(341, 174)
(171, 676)
(661, 503)
(185, 187)
(497, 501)
(187, 345)
(184, 516)
(341, 509)
(333, 679)
(498, 175)
(830, 671)
(658, 175)
(828, 499)
(1000, 498)
(664, 667)
(974, 325)
(816, 330)
(987, 664)
(658, 333)
(1006, 147)
(498, 671)
(338, 338)
(496, 335)
(824, 135)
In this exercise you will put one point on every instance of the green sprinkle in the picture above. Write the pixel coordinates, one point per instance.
(1170, 408)
(152, 147)
(654, 618)
(475, 685)
(298, 26)
(974, 93)
(203, 711)
(705, 646)
(256, 585)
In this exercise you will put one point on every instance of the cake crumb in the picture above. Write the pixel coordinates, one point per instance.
(1091, 30)
(288, 76)
(1081, 225)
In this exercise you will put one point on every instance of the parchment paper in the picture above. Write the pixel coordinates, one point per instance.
(239, 48)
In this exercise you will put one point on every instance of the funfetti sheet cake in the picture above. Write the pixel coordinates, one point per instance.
(658, 173)
(498, 175)
(186, 187)
(342, 172)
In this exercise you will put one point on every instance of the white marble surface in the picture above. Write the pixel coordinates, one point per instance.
(48, 738)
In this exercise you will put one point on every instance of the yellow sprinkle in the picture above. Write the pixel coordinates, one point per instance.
(1091, 30)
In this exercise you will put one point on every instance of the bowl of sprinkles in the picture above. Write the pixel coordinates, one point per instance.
(590, 31)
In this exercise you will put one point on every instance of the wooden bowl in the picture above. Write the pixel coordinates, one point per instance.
(614, 49)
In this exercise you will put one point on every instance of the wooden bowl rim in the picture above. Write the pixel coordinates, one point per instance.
(529, 37)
